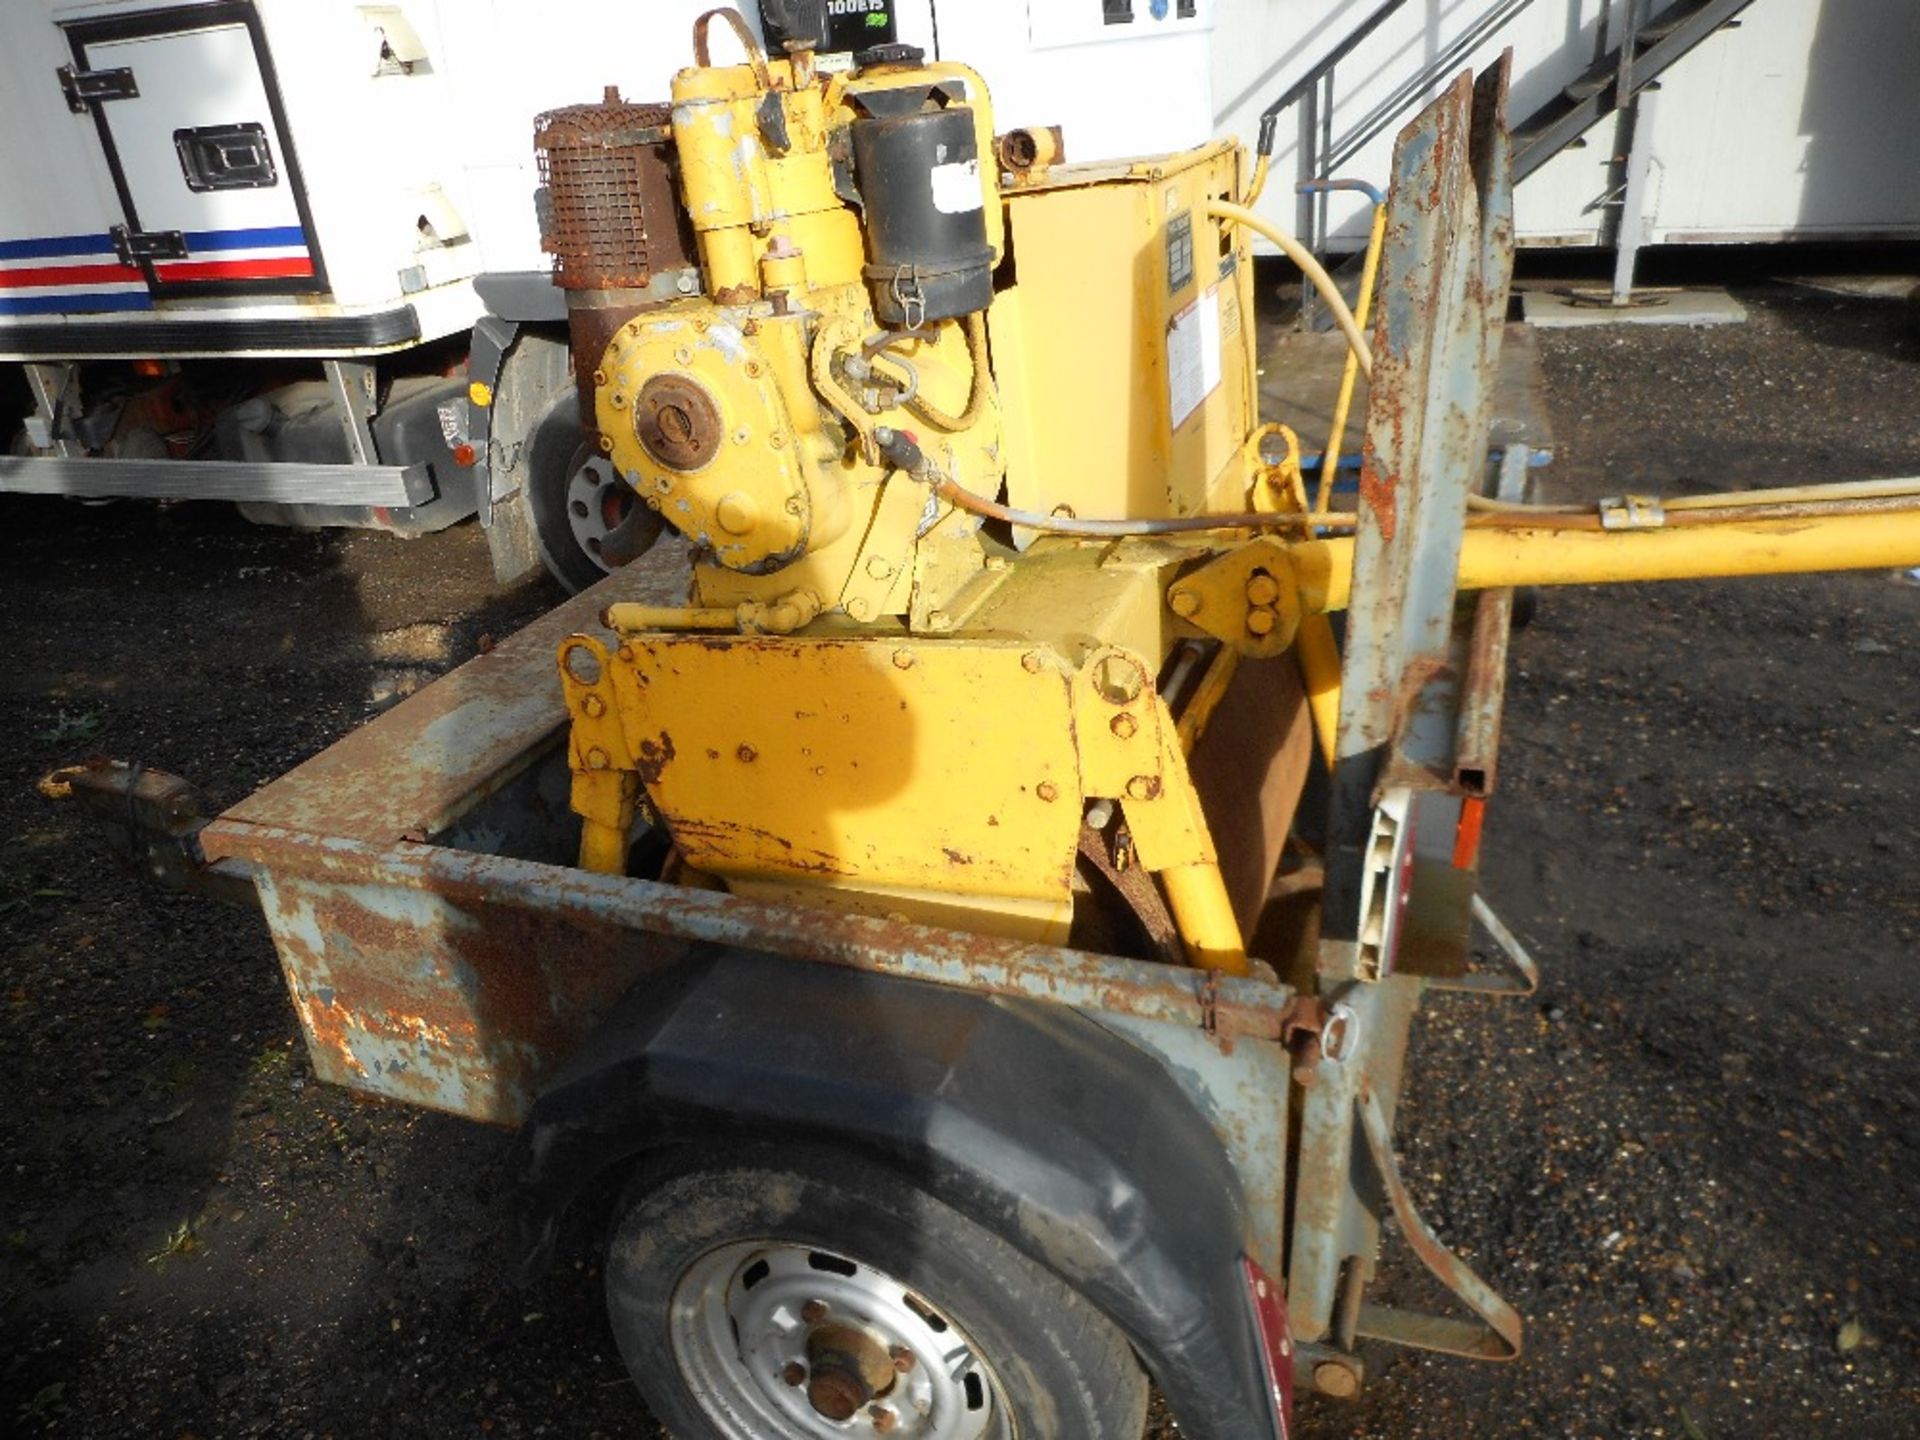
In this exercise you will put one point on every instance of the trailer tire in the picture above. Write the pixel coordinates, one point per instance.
(715, 1254)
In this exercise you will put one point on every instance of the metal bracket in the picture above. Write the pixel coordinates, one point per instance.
(86, 88)
(1496, 1336)
(1248, 597)
(50, 427)
(356, 401)
(1631, 512)
(1524, 967)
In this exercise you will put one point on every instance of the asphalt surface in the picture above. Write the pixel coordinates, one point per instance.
(1692, 1161)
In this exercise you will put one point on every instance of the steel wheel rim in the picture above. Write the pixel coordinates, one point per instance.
(744, 1316)
(598, 506)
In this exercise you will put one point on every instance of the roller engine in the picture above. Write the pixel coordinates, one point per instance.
(764, 277)
(822, 324)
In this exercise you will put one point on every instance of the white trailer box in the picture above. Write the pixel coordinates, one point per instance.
(227, 179)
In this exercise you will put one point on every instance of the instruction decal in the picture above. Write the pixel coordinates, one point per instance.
(1193, 355)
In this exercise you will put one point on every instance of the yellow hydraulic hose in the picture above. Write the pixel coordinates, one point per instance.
(1336, 439)
(1314, 271)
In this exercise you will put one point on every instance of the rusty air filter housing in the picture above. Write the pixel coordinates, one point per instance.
(611, 219)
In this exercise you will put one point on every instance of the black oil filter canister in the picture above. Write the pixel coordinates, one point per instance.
(918, 175)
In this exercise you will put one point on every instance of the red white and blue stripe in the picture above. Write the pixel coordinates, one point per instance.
(81, 274)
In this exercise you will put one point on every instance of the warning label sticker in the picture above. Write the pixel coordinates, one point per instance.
(1193, 355)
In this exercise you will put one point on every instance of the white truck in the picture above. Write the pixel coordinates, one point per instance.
(285, 252)
(245, 250)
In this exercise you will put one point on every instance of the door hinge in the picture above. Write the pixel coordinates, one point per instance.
(85, 88)
(133, 246)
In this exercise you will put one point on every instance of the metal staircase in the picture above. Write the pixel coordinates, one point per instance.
(1643, 39)
(1647, 48)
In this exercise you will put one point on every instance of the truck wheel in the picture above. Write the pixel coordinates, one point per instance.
(587, 521)
(788, 1292)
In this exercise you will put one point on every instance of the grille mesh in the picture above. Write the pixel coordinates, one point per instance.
(599, 165)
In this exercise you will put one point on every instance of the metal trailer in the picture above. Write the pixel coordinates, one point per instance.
(1069, 1159)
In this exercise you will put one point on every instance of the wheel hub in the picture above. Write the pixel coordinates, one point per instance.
(849, 1368)
(608, 522)
(781, 1340)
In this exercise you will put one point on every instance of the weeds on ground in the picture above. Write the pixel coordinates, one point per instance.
(72, 727)
(182, 1242)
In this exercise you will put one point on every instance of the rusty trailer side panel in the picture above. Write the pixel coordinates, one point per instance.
(442, 950)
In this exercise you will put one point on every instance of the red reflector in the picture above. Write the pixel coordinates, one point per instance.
(1276, 1344)
(464, 454)
(1466, 840)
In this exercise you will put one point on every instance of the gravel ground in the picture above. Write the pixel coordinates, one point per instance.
(1693, 1161)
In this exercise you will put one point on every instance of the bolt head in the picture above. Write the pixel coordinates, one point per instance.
(1033, 662)
(1260, 622)
(1185, 603)
(814, 1311)
(878, 567)
(1047, 791)
(903, 659)
(1143, 787)
(903, 1358)
(883, 1418)
(597, 759)
(594, 706)
(1262, 589)
(1124, 726)
(795, 1374)
(858, 608)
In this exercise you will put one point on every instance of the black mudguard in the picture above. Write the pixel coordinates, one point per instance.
(1072, 1144)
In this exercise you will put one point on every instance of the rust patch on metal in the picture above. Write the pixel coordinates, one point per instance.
(1379, 493)
(613, 217)
(653, 759)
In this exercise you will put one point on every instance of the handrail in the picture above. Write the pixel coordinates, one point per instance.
(1496, 18)
(1270, 117)
(1320, 155)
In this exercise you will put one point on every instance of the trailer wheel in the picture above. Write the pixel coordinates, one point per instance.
(791, 1292)
(586, 519)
